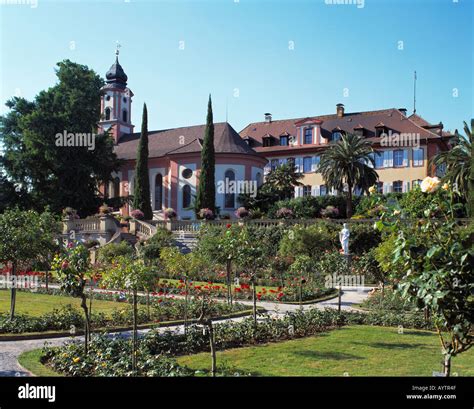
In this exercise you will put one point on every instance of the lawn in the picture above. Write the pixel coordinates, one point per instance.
(38, 304)
(349, 351)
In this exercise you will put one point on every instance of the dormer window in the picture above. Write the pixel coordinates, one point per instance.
(359, 130)
(267, 140)
(380, 129)
(308, 136)
(336, 136)
(284, 140)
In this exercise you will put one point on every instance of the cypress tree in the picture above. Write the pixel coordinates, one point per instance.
(206, 194)
(141, 191)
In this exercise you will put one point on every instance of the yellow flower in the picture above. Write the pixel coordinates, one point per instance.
(429, 184)
(372, 190)
(396, 212)
(445, 186)
(76, 360)
(64, 355)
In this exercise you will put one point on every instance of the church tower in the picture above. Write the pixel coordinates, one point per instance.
(116, 102)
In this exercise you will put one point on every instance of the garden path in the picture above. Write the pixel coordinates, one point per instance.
(11, 350)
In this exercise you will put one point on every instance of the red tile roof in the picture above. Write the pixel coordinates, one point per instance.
(391, 118)
(184, 140)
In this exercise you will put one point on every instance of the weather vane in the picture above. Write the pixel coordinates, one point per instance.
(117, 48)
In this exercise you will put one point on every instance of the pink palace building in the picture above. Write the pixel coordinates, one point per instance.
(174, 156)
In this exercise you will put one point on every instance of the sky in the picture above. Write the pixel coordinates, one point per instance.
(294, 58)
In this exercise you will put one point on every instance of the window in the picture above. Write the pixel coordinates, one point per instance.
(379, 187)
(107, 98)
(291, 161)
(398, 158)
(187, 173)
(267, 141)
(398, 186)
(283, 140)
(124, 100)
(380, 131)
(379, 160)
(418, 157)
(359, 131)
(124, 115)
(306, 190)
(335, 136)
(307, 161)
(107, 114)
(308, 136)
(415, 183)
(259, 179)
(315, 164)
(186, 196)
(323, 190)
(115, 187)
(441, 170)
(159, 192)
(229, 198)
(388, 159)
(274, 164)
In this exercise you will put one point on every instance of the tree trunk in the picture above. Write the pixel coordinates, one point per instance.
(135, 333)
(447, 365)
(47, 280)
(148, 305)
(254, 299)
(185, 306)
(213, 348)
(349, 202)
(90, 309)
(13, 292)
(229, 283)
(87, 322)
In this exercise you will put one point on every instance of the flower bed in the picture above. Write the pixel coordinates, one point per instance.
(111, 356)
(63, 319)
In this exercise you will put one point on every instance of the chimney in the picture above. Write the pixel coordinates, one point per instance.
(268, 117)
(403, 111)
(340, 110)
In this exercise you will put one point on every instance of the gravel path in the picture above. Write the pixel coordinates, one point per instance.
(10, 350)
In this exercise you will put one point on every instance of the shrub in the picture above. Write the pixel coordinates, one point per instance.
(206, 214)
(153, 246)
(309, 207)
(170, 213)
(311, 241)
(363, 237)
(113, 250)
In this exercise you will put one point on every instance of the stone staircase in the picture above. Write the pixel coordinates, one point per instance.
(185, 241)
(129, 237)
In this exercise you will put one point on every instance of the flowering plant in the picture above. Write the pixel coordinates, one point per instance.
(330, 212)
(170, 213)
(242, 213)
(206, 214)
(284, 213)
(434, 258)
(137, 214)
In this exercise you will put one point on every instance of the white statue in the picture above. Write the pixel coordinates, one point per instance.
(344, 239)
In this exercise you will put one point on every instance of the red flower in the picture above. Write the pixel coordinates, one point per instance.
(228, 225)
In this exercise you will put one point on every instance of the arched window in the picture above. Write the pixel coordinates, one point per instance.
(116, 187)
(158, 192)
(229, 199)
(124, 115)
(186, 196)
(107, 114)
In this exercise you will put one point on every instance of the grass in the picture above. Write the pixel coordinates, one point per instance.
(31, 361)
(354, 351)
(34, 305)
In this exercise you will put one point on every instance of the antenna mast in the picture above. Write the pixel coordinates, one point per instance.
(414, 94)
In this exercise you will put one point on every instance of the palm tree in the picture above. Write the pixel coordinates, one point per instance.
(280, 182)
(458, 161)
(344, 166)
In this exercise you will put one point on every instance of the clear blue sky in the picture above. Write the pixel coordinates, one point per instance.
(239, 52)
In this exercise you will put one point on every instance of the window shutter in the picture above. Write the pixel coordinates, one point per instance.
(315, 191)
(296, 191)
(405, 157)
(313, 164)
(389, 158)
(385, 188)
(406, 187)
(299, 165)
